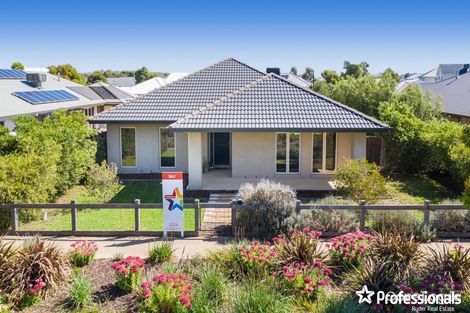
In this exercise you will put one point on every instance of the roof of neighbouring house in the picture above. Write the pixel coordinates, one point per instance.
(232, 95)
(297, 80)
(12, 105)
(102, 91)
(449, 69)
(455, 94)
(153, 83)
(121, 81)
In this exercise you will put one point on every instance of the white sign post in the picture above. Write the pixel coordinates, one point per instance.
(172, 190)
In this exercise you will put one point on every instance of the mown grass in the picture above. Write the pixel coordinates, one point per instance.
(111, 219)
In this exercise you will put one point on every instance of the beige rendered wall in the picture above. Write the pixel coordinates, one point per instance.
(253, 153)
(147, 149)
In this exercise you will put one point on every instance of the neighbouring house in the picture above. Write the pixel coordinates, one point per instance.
(443, 72)
(455, 95)
(37, 94)
(230, 123)
(152, 84)
(121, 81)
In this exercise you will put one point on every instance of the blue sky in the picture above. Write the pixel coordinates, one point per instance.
(171, 36)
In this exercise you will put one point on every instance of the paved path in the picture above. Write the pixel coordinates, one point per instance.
(218, 220)
(138, 246)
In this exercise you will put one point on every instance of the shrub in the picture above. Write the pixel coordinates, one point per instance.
(259, 259)
(161, 252)
(36, 268)
(452, 221)
(129, 273)
(452, 260)
(228, 260)
(102, 180)
(300, 246)
(342, 305)
(327, 220)
(348, 250)
(360, 180)
(306, 279)
(272, 204)
(118, 256)
(167, 293)
(257, 298)
(80, 291)
(210, 291)
(466, 194)
(82, 252)
(7, 253)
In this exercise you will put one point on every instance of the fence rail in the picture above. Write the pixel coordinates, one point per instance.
(426, 208)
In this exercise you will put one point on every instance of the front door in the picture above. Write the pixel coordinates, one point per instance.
(219, 150)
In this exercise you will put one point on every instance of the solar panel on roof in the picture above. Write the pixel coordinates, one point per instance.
(45, 96)
(9, 73)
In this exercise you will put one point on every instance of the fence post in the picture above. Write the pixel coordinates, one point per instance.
(74, 215)
(197, 215)
(14, 218)
(426, 212)
(234, 217)
(137, 214)
(297, 206)
(362, 221)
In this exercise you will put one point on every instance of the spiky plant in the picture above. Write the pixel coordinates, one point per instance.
(450, 260)
(7, 253)
(300, 246)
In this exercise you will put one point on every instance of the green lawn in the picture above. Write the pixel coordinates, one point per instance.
(111, 219)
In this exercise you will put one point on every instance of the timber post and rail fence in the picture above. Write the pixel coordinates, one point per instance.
(235, 206)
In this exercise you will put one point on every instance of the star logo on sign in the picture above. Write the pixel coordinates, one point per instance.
(365, 295)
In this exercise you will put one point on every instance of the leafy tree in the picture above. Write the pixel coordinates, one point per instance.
(355, 70)
(293, 70)
(17, 66)
(330, 76)
(393, 74)
(143, 74)
(8, 143)
(309, 74)
(66, 71)
(466, 194)
(424, 105)
(96, 76)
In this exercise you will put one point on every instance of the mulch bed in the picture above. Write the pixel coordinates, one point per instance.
(107, 297)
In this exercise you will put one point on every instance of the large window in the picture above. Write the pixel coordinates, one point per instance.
(287, 152)
(128, 155)
(167, 148)
(323, 152)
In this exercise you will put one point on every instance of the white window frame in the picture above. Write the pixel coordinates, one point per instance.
(323, 170)
(287, 172)
(160, 147)
(120, 145)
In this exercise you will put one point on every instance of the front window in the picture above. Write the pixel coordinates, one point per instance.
(323, 152)
(167, 148)
(287, 152)
(128, 155)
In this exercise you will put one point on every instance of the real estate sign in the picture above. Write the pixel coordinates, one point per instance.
(172, 190)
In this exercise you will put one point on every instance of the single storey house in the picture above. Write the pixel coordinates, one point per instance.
(230, 123)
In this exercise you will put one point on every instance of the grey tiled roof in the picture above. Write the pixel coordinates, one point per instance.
(231, 95)
(455, 94)
(121, 81)
(185, 95)
(273, 103)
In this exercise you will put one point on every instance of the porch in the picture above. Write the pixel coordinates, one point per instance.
(221, 179)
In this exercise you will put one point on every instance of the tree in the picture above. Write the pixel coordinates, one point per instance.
(330, 76)
(17, 66)
(143, 74)
(392, 73)
(66, 71)
(466, 194)
(355, 70)
(293, 70)
(309, 74)
(96, 76)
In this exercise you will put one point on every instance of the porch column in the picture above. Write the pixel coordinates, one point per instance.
(195, 160)
(359, 141)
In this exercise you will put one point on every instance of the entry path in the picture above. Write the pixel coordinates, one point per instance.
(138, 246)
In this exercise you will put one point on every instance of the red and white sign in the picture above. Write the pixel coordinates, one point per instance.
(172, 190)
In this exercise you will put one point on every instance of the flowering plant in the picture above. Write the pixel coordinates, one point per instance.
(83, 252)
(129, 272)
(259, 258)
(34, 290)
(348, 250)
(307, 278)
(167, 293)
